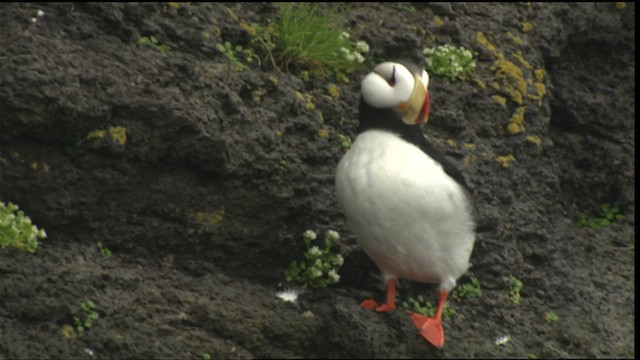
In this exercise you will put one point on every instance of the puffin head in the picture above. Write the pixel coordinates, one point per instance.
(400, 87)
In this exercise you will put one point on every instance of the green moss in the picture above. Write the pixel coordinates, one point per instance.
(468, 290)
(551, 317)
(513, 290)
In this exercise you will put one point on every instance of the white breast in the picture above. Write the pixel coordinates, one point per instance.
(409, 216)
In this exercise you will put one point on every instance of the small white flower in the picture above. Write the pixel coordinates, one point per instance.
(318, 263)
(309, 234)
(362, 46)
(40, 13)
(333, 235)
(333, 275)
(502, 340)
(42, 234)
(344, 36)
(338, 260)
(315, 272)
(288, 295)
(359, 57)
(351, 57)
(314, 250)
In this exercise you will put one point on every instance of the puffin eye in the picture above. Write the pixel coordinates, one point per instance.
(392, 81)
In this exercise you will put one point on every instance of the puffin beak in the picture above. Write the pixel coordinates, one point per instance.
(415, 111)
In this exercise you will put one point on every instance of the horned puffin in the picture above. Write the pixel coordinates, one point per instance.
(407, 204)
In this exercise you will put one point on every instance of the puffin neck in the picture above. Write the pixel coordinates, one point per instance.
(387, 120)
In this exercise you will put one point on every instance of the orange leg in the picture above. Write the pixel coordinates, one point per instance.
(390, 305)
(431, 327)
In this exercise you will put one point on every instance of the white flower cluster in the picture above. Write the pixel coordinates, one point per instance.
(39, 15)
(356, 54)
(450, 61)
(16, 229)
(321, 265)
(310, 235)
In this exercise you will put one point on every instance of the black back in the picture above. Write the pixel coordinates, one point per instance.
(388, 120)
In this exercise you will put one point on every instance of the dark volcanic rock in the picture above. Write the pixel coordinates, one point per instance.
(201, 180)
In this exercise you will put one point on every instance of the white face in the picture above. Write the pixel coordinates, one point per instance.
(391, 85)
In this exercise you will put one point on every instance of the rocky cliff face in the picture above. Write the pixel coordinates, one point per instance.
(201, 180)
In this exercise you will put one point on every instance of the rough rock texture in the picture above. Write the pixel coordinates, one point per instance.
(201, 180)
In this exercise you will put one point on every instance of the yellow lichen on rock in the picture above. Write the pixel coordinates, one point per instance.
(500, 100)
(208, 218)
(518, 55)
(333, 91)
(452, 143)
(533, 139)
(480, 83)
(505, 161)
(539, 74)
(323, 133)
(514, 83)
(526, 26)
(482, 40)
(516, 39)
(118, 134)
(96, 134)
(307, 99)
(437, 20)
(516, 122)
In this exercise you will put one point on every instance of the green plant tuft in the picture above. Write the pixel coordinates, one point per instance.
(610, 215)
(320, 267)
(153, 41)
(454, 63)
(513, 290)
(233, 53)
(551, 317)
(88, 316)
(345, 142)
(16, 229)
(420, 306)
(310, 39)
(104, 250)
(468, 290)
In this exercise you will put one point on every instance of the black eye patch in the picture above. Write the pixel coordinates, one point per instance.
(392, 81)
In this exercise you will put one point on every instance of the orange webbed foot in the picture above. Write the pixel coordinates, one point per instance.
(371, 304)
(430, 328)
